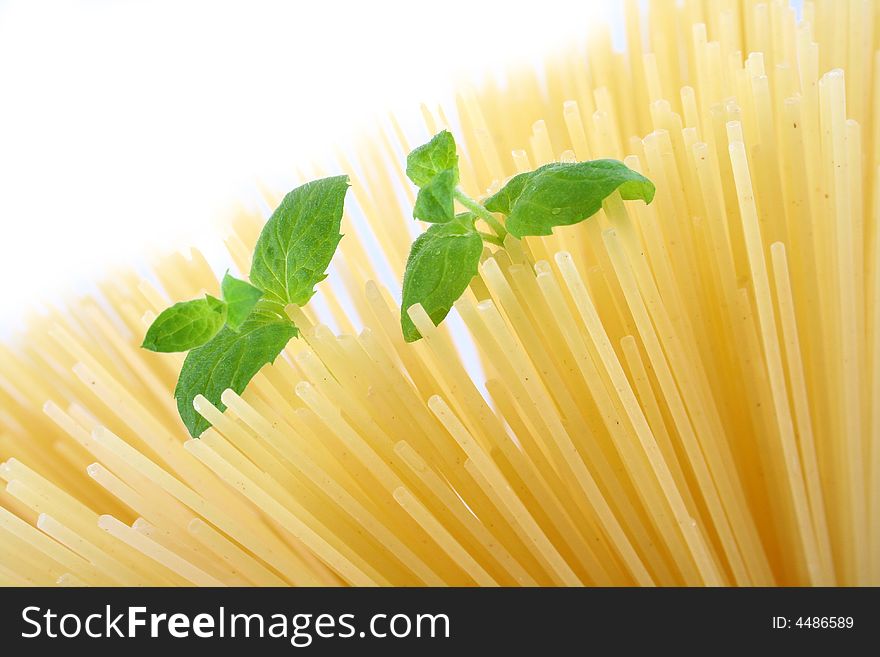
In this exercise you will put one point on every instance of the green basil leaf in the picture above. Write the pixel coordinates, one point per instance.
(435, 202)
(426, 161)
(502, 201)
(230, 360)
(297, 243)
(562, 193)
(240, 297)
(441, 264)
(185, 325)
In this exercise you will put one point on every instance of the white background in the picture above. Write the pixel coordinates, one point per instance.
(130, 127)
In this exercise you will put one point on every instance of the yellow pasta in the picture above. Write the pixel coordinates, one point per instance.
(680, 393)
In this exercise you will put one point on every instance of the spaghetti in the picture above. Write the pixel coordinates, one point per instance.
(685, 393)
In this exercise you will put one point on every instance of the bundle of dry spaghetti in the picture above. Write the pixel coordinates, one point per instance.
(683, 393)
